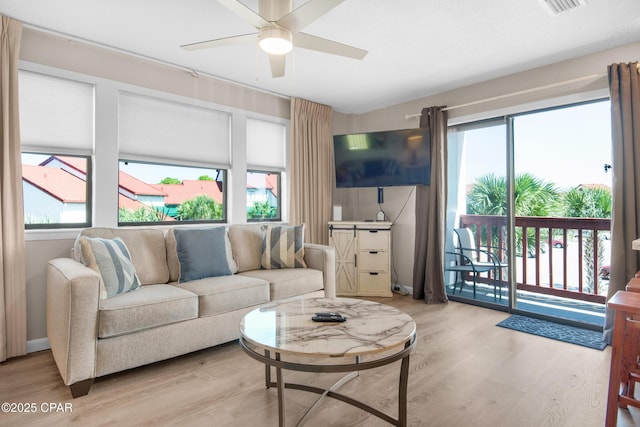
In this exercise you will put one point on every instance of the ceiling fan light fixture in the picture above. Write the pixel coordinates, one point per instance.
(276, 41)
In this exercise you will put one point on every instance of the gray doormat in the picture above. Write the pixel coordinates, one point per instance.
(556, 331)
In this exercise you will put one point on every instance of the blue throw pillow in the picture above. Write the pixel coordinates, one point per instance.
(202, 253)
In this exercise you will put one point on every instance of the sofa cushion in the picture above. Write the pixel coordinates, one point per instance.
(110, 258)
(222, 294)
(246, 243)
(146, 248)
(201, 252)
(283, 246)
(288, 282)
(174, 262)
(148, 307)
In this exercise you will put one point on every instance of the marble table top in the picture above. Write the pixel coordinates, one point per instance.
(286, 327)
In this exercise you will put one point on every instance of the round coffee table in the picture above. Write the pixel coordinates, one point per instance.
(282, 335)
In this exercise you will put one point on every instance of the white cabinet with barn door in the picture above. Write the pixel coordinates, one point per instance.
(363, 257)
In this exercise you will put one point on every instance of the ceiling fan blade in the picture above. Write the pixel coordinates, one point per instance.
(308, 41)
(306, 14)
(225, 41)
(247, 14)
(277, 63)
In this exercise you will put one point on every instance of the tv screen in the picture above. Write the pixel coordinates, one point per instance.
(382, 159)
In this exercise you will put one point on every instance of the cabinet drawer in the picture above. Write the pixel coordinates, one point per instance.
(373, 260)
(374, 284)
(373, 239)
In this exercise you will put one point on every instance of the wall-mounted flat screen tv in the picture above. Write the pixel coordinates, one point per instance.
(382, 159)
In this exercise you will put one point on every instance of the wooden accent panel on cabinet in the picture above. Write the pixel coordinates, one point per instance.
(363, 257)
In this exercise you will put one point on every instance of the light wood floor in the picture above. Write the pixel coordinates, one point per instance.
(464, 372)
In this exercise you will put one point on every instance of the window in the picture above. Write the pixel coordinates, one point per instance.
(152, 193)
(266, 142)
(56, 191)
(177, 155)
(263, 195)
(77, 174)
(56, 126)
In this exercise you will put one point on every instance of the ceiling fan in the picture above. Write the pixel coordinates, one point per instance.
(279, 28)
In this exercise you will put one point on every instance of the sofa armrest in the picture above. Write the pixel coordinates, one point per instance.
(73, 296)
(323, 258)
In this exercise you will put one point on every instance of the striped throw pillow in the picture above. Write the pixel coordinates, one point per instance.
(110, 258)
(283, 247)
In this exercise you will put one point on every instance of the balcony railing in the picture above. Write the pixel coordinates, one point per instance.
(555, 256)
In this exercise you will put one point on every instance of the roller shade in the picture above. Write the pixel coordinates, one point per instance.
(55, 114)
(266, 143)
(156, 128)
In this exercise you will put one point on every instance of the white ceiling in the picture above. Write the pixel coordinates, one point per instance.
(416, 47)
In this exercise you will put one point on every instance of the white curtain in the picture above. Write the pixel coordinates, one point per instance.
(13, 310)
(311, 180)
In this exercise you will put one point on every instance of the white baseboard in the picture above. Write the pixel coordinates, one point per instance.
(38, 345)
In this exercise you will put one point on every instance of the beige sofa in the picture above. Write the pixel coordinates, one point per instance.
(91, 337)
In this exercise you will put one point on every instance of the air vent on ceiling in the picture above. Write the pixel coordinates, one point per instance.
(556, 7)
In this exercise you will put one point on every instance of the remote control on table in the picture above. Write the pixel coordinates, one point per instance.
(328, 317)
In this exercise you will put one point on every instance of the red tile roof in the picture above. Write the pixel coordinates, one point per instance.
(78, 163)
(56, 182)
(64, 186)
(126, 203)
(126, 181)
(270, 182)
(189, 189)
(137, 187)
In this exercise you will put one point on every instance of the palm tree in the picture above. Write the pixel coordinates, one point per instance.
(587, 202)
(200, 207)
(262, 210)
(488, 196)
(142, 214)
(532, 197)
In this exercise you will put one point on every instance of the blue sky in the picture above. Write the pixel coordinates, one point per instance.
(567, 146)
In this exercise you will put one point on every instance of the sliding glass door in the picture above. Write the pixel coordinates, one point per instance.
(562, 206)
(477, 267)
(528, 215)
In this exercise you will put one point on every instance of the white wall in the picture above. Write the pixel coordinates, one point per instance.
(569, 81)
(42, 207)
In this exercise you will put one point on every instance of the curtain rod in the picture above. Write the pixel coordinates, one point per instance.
(520, 92)
(194, 73)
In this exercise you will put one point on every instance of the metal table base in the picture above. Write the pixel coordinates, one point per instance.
(353, 369)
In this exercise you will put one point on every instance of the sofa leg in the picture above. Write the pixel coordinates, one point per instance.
(81, 388)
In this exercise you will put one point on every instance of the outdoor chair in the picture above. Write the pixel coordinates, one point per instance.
(469, 261)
